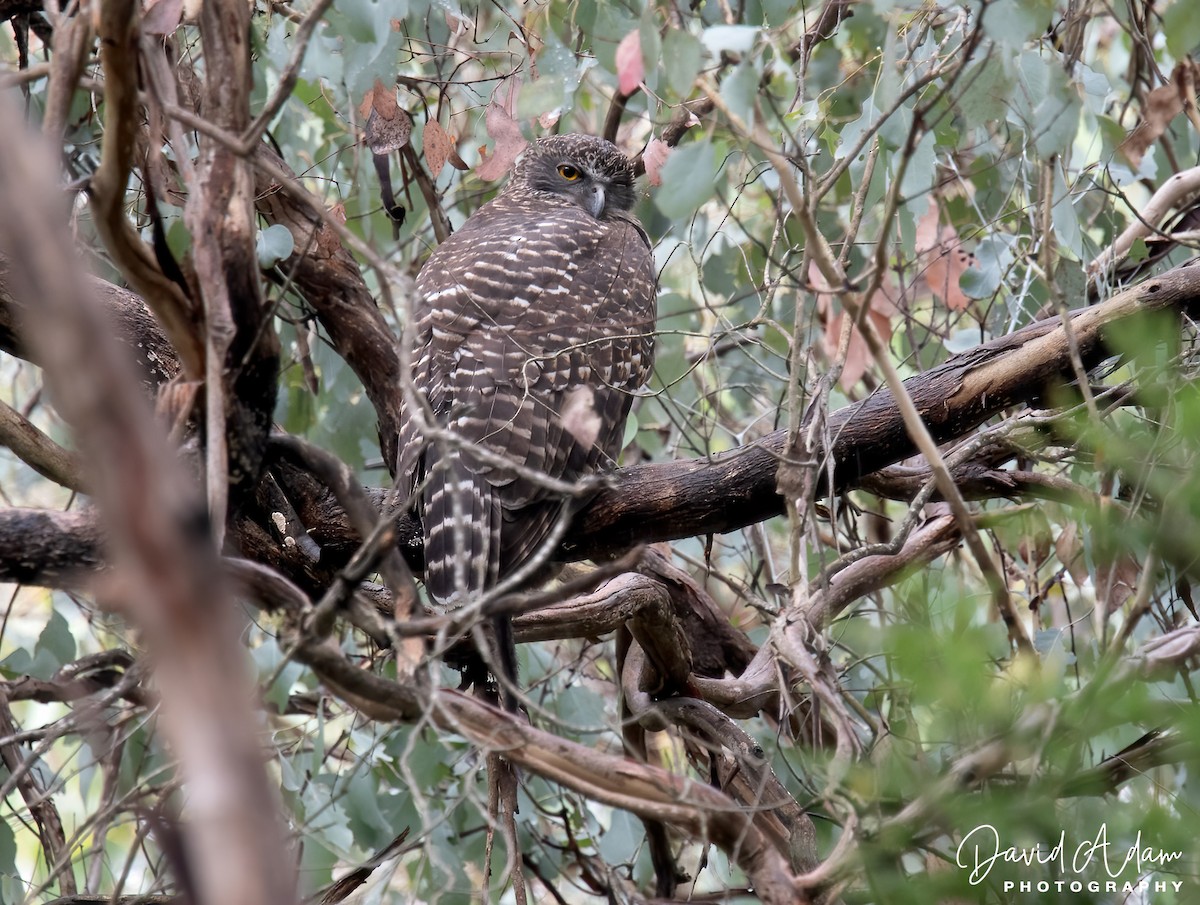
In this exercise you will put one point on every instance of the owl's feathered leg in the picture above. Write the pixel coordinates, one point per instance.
(506, 660)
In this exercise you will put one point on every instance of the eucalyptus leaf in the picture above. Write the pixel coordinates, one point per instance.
(687, 179)
(1181, 26)
(273, 244)
(719, 39)
(740, 90)
(8, 851)
(682, 53)
(1013, 22)
(1065, 220)
(993, 256)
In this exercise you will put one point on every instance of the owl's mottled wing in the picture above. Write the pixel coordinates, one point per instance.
(534, 330)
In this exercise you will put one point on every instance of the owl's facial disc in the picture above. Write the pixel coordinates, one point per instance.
(583, 187)
(593, 199)
(589, 173)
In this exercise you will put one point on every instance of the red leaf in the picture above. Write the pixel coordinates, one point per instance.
(655, 155)
(943, 260)
(880, 310)
(630, 69)
(504, 129)
(162, 17)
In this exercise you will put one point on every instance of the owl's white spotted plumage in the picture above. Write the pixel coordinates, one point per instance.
(534, 330)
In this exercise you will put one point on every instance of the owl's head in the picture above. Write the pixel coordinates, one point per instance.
(581, 169)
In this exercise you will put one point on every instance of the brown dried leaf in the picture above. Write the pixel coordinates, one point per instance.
(1116, 582)
(1069, 550)
(630, 68)
(1162, 105)
(437, 145)
(655, 155)
(388, 127)
(1034, 545)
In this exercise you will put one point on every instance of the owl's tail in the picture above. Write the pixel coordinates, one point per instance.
(461, 521)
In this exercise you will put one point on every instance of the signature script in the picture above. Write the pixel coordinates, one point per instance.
(982, 848)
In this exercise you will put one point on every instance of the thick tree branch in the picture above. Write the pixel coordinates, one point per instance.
(648, 503)
(175, 311)
(686, 498)
(330, 280)
(162, 552)
(37, 450)
(695, 808)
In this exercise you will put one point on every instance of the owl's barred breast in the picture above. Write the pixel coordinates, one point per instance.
(534, 329)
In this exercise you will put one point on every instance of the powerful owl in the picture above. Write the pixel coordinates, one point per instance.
(534, 329)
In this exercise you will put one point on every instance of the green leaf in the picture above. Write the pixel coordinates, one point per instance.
(612, 23)
(740, 91)
(651, 45)
(368, 44)
(273, 244)
(580, 707)
(558, 62)
(687, 177)
(682, 54)
(1057, 118)
(849, 137)
(619, 842)
(266, 659)
(987, 94)
(291, 778)
(277, 48)
(543, 96)
(1071, 278)
(920, 172)
(1065, 220)
(367, 822)
(8, 851)
(325, 816)
(1096, 87)
(360, 19)
(1013, 22)
(57, 640)
(323, 59)
(1181, 25)
(1052, 639)
(992, 259)
(16, 664)
(54, 648)
(962, 340)
(631, 431)
(1139, 251)
(729, 39)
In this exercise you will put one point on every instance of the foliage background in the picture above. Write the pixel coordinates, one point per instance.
(969, 166)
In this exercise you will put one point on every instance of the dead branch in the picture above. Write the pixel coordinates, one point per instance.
(696, 809)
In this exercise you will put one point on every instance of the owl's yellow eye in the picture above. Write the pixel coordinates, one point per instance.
(568, 172)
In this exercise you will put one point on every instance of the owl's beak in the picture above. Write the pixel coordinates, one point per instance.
(595, 201)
